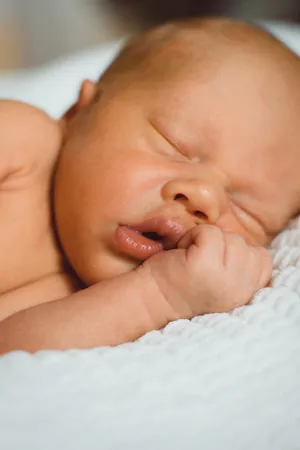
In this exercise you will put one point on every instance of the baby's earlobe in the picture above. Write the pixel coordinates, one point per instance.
(87, 94)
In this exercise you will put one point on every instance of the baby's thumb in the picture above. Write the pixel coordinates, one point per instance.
(266, 268)
(186, 240)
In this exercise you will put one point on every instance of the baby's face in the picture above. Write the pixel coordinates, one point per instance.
(225, 151)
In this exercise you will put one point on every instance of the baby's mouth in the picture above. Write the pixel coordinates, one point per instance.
(153, 236)
(148, 238)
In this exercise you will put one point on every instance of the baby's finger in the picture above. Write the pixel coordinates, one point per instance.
(235, 251)
(208, 238)
(187, 239)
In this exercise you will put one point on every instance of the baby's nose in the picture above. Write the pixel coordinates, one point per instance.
(201, 198)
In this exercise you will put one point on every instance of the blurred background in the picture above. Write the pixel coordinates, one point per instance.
(34, 32)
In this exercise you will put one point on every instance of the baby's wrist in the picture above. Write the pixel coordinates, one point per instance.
(159, 309)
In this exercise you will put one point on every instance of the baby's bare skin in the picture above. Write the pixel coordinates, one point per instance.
(31, 264)
(220, 151)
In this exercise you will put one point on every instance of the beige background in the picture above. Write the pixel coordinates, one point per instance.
(34, 32)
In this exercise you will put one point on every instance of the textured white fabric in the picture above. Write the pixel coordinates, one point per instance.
(218, 382)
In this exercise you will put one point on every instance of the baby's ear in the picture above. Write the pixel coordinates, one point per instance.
(86, 96)
(87, 93)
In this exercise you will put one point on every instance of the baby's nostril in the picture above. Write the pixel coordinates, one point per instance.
(201, 215)
(180, 197)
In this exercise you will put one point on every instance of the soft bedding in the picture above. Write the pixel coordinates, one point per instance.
(220, 381)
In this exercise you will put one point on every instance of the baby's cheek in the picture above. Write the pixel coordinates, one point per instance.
(252, 235)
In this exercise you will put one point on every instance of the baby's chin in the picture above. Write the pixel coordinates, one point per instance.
(97, 268)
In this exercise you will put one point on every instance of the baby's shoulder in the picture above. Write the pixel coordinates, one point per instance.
(29, 138)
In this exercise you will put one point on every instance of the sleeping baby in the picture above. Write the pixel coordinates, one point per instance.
(154, 197)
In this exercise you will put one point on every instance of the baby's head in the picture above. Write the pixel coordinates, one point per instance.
(195, 122)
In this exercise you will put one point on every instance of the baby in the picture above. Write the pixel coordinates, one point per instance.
(153, 198)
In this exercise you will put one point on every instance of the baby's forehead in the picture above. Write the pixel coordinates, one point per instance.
(195, 44)
(223, 68)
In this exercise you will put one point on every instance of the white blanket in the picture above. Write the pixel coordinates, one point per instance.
(218, 382)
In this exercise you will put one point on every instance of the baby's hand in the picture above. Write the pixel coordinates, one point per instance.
(210, 271)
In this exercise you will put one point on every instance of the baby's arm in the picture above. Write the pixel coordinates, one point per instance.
(109, 313)
(210, 271)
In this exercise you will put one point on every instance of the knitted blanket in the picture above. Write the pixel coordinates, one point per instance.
(218, 382)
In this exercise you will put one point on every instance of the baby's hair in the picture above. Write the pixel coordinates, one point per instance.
(177, 45)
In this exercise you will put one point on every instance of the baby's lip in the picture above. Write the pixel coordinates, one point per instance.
(134, 240)
(170, 230)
